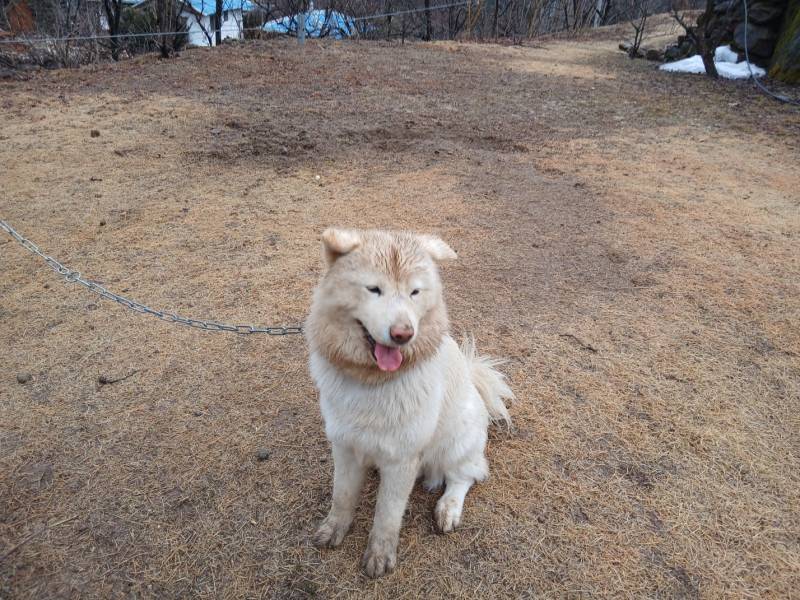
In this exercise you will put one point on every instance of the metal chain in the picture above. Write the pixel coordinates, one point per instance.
(75, 277)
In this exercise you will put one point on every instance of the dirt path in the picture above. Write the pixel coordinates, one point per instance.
(628, 238)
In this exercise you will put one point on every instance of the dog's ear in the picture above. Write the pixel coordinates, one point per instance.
(338, 242)
(437, 248)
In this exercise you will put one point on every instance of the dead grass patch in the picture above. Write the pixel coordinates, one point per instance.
(626, 238)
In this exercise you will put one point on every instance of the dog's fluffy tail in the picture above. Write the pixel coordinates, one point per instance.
(490, 382)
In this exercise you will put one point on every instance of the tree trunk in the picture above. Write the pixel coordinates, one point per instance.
(707, 45)
(219, 22)
(163, 21)
(708, 62)
(494, 18)
(598, 13)
(428, 28)
(450, 23)
(389, 22)
(113, 9)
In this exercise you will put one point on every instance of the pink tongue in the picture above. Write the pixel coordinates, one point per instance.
(389, 359)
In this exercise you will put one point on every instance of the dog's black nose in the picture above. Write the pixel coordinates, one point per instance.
(401, 334)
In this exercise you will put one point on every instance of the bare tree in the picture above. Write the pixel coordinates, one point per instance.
(212, 30)
(171, 28)
(638, 13)
(456, 18)
(113, 10)
(700, 34)
(389, 10)
(56, 23)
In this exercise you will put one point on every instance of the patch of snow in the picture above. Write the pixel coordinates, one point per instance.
(739, 70)
(724, 54)
(693, 64)
(724, 59)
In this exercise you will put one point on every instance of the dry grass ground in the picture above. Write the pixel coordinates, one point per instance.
(629, 239)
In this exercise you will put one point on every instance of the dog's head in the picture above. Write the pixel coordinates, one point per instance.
(379, 308)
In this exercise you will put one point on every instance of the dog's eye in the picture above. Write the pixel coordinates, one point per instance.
(374, 290)
(415, 292)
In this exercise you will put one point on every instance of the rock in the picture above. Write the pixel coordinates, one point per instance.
(683, 49)
(721, 8)
(94, 133)
(672, 53)
(762, 13)
(785, 64)
(654, 54)
(627, 48)
(760, 40)
(262, 454)
(730, 12)
(23, 378)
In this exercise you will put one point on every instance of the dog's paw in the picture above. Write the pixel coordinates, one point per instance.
(330, 533)
(448, 514)
(380, 558)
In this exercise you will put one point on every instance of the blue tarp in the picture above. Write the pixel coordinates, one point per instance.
(319, 23)
(209, 7)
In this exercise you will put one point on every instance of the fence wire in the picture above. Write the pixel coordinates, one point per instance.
(158, 34)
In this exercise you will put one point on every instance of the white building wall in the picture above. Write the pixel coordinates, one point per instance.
(231, 28)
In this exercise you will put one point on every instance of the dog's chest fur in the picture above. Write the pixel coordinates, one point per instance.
(383, 422)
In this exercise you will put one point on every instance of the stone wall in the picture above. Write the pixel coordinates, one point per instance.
(765, 20)
(773, 34)
(786, 58)
(765, 25)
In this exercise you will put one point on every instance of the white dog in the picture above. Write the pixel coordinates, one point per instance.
(396, 392)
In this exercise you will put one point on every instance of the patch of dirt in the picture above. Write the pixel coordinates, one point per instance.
(627, 238)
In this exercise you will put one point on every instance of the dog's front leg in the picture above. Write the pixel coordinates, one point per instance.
(348, 476)
(395, 487)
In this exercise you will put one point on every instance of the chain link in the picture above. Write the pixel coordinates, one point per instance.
(75, 277)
